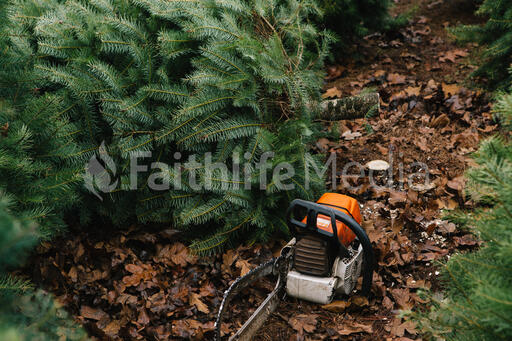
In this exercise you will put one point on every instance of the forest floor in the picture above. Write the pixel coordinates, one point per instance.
(140, 285)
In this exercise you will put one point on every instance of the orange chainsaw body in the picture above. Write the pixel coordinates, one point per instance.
(342, 203)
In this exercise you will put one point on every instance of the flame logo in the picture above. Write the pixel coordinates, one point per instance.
(97, 177)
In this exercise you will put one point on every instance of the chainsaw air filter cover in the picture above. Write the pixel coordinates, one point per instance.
(344, 204)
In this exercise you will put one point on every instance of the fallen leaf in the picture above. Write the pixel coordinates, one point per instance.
(4, 129)
(331, 93)
(395, 79)
(398, 328)
(402, 298)
(412, 283)
(112, 329)
(360, 301)
(352, 327)
(73, 274)
(348, 135)
(195, 299)
(450, 89)
(440, 121)
(92, 313)
(336, 306)
(446, 204)
(244, 266)
(396, 197)
(387, 303)
(457, 183)
(323, 144)
(413, 91)
(303, 322)
(143, 317)
(467, 239)
(334, 71)
(446, 227)
(134, 269)
(185, 328)
(179, 254)
(451, 56)
(227, 260)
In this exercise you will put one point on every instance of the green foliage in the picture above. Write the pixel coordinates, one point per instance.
(496, 36)
(349, 18)
(226, 77)
(477, 303)
(26, 314)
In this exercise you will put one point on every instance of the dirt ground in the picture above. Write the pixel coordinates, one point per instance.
(142, 285)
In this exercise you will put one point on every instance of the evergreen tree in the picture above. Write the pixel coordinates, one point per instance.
(496, 36)
(477, 302)
(227, 77)
(26, 314)
(37, 174)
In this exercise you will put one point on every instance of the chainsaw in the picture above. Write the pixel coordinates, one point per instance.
(327, 254)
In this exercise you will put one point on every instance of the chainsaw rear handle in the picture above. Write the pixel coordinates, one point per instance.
(313, 210)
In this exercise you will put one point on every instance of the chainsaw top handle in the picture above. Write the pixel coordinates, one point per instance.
(313, 210)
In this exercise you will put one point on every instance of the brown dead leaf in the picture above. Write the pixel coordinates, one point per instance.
(334, 71)
(303, 322)
(179, 254)
(185, 328)
(396, 197)
(112, 329)
(92, 313)
(402, 298)
(379, 73)
(450, 89)
(336, 306)
(332, 92)
(351, 327)
(207, 290)
(467, 239)
(457, 183)
(4, 129)
(413, 284)
(446, 203)
(451, 56)
(195, 299)
(395, 79)
(143, 317)
(446, 227)
(360, 301)
(323, 144)
(244, 266)
(440, 121)
(387, 303)
(73, 274)
(398, 328)
(413, 91)
(423, 32)
(134, 269)
(227, 260)
(348, 135)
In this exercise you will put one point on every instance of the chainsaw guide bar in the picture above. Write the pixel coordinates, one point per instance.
(276, 266)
